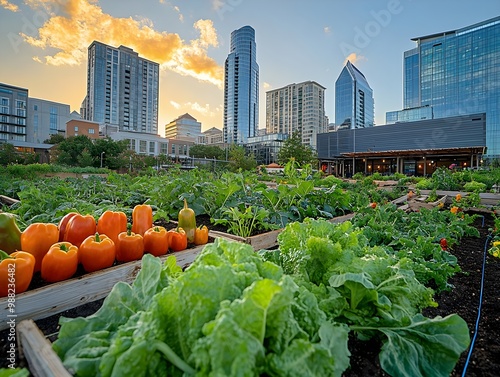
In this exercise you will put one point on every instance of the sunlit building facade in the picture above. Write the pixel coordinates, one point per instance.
(122, 89)
(297, 108)
(184, 127)
(354, 104)
(13, 114)
(241, 88)
(456, 73)
(46, 118)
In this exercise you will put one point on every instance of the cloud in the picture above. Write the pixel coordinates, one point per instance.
(181, 16)
(354, 58)
(72, 26)
(205, 110)
(266, 85)
(9, 6)
(327, 29)
(175, 104)
(217, 4)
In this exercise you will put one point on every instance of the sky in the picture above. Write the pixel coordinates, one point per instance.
(43, 45)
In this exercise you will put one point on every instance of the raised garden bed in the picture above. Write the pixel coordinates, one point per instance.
(463, 300)
(44, 299)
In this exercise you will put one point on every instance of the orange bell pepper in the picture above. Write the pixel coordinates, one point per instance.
(16, 272)
(79, 228)
(37, 239)
(201, 235)
(97, 252)
(177, 239)
(129, 246)
(142, 218)
(60, 262)
(111, 224)
(156, 241)
(63, 223)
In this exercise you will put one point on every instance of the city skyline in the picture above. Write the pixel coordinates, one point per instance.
(296, 41)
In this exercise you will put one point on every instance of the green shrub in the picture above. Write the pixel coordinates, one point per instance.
(475, 187)
(425, 184)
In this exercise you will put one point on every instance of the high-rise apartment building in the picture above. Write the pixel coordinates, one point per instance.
(241, 88)
(122, 89)
(354, 105)
(13, 115)
(455, 73)
(297, 108)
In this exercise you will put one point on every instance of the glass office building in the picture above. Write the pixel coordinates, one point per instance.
(241, 88)
(354, 105)
(122, 89)
(458, 73)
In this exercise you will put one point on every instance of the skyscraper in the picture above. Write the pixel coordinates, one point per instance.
(241, 88)
(297, 108)
(122, 89)
(354, 105)
(455, 73)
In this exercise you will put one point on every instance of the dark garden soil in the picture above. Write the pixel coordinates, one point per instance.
(464, 299)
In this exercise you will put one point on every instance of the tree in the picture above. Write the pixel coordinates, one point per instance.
(208, 151)
(69, 150)
(240, 159)
(113, 153)
(293, 148)
(7, 154)
(55, 139)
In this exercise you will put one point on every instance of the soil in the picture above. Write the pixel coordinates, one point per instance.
(463, 299)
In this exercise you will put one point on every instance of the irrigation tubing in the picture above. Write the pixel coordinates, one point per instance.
(476, 329)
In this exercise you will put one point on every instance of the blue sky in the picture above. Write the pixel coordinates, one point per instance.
(44, 44)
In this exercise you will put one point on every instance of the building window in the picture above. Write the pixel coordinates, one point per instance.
(91, 131)
(35, 107)
(152, 147)
(76, 128)
(142, 146)
(53, 120)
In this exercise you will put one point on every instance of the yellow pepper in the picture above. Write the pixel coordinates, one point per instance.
(201, 235)
(187, 221)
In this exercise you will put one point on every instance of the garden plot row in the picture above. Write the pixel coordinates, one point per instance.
(37, 349)
(487, 200)
(55, 298)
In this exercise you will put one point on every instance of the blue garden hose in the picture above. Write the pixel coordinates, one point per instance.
(480, 303)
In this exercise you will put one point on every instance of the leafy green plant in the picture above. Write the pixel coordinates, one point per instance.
(475, 186)
(245, 223)
(366, 288)
(230, 312)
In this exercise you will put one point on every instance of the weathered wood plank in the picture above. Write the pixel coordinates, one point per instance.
(341, 219)
(265, 240)
(7, 200)
(42, 360)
